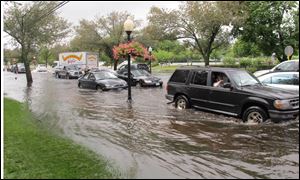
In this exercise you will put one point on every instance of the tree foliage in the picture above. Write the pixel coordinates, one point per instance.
(101, 34)
(271, 25)
(201, 23)
(32, 25)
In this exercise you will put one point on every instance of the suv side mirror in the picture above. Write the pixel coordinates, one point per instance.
(227, 85)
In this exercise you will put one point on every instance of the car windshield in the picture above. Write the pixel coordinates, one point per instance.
(105, 75)
(138, 73)
(72, 68)
(42, 65)
(243, 78)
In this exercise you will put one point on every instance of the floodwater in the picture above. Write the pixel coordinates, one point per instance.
(151, 139)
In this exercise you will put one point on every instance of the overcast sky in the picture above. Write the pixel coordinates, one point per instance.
(74, 11)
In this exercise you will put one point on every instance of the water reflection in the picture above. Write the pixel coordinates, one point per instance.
(150, 139)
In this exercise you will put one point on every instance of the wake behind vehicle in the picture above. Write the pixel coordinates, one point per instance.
(101, 80)
(240, 94)
(141, 78)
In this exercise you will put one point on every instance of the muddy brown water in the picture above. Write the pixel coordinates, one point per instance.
(151, 139)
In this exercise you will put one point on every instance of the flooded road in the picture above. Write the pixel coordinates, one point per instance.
(151, 139)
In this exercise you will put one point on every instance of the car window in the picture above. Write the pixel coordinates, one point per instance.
(283, 79)
(92, 77)
(200, 78)
(180, 76)
(218, 79)
(104, 75)
(86, 76)
(267, 80)
(288, 66)
(296, 79)
(142, 66)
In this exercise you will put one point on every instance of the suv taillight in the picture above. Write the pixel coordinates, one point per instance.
(167, 87)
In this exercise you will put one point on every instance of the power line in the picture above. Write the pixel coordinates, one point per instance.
(49, 12)
(52, 10)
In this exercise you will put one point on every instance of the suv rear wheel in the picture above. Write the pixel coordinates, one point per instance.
(255, 114)
(182, 102)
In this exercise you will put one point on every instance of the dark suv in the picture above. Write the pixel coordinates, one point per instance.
(68, 71)
(230, 91)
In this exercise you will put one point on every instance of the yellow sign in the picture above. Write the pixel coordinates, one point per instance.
(73, 57)
(92, 57)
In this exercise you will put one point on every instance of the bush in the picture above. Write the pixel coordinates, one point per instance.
(225, 66)
(229, 61)
(245, 62)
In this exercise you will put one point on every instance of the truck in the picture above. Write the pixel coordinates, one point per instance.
(81, 59)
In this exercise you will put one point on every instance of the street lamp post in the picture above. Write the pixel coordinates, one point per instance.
(150, 58)
(128, 27)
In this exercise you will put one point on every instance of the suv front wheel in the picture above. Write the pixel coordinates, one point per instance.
(182, 102)
(255, 114)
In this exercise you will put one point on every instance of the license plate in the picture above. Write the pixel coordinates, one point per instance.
(157, 84)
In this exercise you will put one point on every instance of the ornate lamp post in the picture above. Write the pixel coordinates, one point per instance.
(128, 28)
(150, 58)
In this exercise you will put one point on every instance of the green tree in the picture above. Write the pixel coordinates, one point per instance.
(11, 54)
(244, 49)
(102, 34)
(203, 23)
(33, 24)
(271, 26)
(163, 56)
(46, 56)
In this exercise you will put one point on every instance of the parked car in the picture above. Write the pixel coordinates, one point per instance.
(240, 94)
(103, 69)
(141, 78)
(284, 80)
(68, 72)
(41, 68)
(286, 66)
(140, 66)
(101, 80)
(18, 68)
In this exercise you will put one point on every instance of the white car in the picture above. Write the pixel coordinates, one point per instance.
(285, 66)
(41, 68)
(283, 80)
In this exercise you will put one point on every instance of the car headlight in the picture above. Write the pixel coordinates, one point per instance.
(282, 104)
(147, 81)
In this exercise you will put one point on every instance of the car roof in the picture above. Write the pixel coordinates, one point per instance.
(209, 68)
(276, 73)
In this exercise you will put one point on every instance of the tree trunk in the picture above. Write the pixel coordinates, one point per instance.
(206, 59)
(24, 55)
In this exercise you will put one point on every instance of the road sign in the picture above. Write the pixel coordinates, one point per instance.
(288, 51)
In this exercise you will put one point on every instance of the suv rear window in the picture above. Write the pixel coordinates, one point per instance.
(180, 76)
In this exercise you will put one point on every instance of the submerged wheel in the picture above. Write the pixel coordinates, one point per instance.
(182, 102)
(98, 88)
(255, 114)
